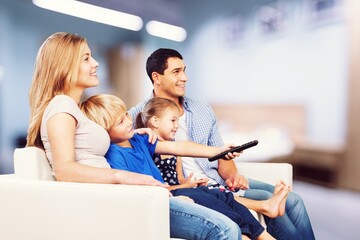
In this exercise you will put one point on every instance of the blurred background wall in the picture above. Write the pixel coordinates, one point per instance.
(238, 52)
(264, 58)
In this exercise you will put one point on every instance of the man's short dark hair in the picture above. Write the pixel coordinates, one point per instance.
(157, 61)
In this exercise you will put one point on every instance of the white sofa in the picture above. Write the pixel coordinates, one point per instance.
(34, 206)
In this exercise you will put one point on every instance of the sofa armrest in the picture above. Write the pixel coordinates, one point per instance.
(266, 172)
(31, 163)
(33, 209)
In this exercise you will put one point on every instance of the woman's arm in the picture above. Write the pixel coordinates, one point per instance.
(62, 142)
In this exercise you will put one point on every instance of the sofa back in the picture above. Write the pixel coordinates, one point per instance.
(31, 163)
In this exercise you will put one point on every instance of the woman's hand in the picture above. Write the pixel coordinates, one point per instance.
(130, 178)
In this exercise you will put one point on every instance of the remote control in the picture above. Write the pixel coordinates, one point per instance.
(234, 149)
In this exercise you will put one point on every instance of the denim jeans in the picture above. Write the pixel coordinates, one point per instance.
(226, 204)
(295, 224)
(192, 221)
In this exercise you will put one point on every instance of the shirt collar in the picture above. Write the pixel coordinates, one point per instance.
(183, 100)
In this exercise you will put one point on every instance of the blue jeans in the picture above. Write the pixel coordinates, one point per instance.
(295, 224)
(226, 204)
(192, 221)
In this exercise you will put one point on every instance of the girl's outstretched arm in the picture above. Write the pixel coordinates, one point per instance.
(191, 149)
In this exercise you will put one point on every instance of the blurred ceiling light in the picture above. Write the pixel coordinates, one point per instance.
(165, 30)
(93, 13)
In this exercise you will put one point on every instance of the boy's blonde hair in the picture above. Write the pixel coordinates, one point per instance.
(104, 109)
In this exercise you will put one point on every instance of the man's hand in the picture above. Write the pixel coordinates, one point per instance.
(237, 182)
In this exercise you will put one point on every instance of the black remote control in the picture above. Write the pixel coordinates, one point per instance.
(234, 149)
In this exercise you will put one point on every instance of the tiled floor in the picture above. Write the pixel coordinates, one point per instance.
(335, 214)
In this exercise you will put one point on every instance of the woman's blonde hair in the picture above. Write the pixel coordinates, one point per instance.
(154, 107)
(104, 109)
(56, 70)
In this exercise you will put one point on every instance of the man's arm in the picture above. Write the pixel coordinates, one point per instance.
(226, 168)
(228, 171)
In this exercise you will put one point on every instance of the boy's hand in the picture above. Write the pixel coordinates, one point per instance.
(152, 135)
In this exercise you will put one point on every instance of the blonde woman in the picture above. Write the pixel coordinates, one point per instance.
(75, 145)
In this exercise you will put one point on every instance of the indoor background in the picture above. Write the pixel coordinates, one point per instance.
(252, 54)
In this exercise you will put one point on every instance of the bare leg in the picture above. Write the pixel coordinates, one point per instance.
(271, 207)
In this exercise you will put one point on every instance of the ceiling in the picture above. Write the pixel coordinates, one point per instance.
(168, 11)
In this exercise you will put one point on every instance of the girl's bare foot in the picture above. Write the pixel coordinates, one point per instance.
(280, 187)
(275, 205)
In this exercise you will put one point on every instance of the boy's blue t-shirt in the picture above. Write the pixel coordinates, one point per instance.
(137, 159)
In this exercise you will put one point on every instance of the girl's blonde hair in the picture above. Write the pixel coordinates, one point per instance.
(154, 107)
(104, 109)
(56, 71)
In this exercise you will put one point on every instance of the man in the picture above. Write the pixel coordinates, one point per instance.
(166, 70)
